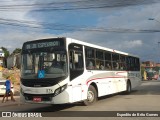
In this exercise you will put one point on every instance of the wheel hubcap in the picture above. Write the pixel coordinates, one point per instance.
(90, 96)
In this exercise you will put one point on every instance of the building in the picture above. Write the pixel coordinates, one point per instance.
(149, 64)
(151, 70)
(1, 56)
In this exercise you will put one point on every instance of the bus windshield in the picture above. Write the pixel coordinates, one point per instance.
(54, 64)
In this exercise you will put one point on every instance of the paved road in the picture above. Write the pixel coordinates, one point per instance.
(144, 98)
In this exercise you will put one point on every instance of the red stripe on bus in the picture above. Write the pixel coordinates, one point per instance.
(122, 72)
(104, 78)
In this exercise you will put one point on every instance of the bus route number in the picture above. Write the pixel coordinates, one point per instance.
(49, 91)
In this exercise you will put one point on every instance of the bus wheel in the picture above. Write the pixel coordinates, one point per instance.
(129, 89)
(91, 96)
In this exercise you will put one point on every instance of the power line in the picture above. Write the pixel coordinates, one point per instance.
(75, 5)
(65, 27)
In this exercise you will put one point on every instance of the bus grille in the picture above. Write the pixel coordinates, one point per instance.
(41, 82)
(44, 97)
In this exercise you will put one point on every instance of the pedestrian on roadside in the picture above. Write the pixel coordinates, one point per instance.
(8, 90)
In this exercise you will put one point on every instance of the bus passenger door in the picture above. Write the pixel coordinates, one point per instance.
(76, 69)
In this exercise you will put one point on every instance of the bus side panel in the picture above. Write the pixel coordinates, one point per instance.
(64, 97)
(108, 82)
(79, 93)
(76, 93)
(105, 87)
(121, 82)
(79, 88)
(135, 78)
(84, 91)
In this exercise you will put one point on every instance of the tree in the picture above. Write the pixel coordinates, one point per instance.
(6, 54)
(16, 51)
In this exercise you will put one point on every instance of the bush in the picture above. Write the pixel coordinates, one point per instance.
(13, 74)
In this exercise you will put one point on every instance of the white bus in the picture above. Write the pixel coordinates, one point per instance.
(65, 70)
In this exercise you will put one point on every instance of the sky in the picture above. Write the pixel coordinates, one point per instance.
(123, 25)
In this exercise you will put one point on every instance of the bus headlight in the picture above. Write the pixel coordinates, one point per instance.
(60, 89)
(21, 90)
(57, 91)
(63, 87)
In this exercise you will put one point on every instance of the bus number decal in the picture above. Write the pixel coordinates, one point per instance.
(49, 90)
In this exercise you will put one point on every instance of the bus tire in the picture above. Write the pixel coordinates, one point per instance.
(128, 88)
(91, 96)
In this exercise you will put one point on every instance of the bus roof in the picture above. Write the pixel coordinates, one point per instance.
(86, 44)
(100, 47)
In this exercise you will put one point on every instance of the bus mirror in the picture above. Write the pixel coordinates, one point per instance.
(76, 58)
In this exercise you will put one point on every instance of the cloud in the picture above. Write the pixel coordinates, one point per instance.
(132, 44)
(15, 39)
(20, 15)
(131, 17)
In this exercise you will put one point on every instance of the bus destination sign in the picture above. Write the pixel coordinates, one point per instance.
(42, 45)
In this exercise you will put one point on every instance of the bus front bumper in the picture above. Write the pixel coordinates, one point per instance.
(46, 98)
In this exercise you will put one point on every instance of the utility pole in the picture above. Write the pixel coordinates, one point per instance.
(159, 58)
(158, 52)
(158, 48)
(158, 42)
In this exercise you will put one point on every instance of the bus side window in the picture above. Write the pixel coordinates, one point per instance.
(108, 66)
(102, 65)
(90, 58)
(97, 65)
(90, 65)
(76, 60)
(117, 66)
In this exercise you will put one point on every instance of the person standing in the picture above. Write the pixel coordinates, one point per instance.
(8, 90)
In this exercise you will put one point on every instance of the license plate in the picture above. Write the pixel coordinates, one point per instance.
(37, 99)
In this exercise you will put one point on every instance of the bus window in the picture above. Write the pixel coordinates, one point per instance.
(99, 60)
(116, 61)
(116, 66)
(108, 64)
(90, 64)
(90, 58)
(122, 63)
(115, 57)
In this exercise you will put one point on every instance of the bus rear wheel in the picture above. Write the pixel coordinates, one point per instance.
(91, 96)
(128, 89)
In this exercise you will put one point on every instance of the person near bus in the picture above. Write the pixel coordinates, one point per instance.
(8, 91)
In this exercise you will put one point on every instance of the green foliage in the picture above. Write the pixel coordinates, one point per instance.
(6, 52)
(157, 68)
(17, 50)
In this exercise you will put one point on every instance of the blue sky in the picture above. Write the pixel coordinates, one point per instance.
(133, 16)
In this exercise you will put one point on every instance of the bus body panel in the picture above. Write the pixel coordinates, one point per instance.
(107, 82)
(135, 78)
